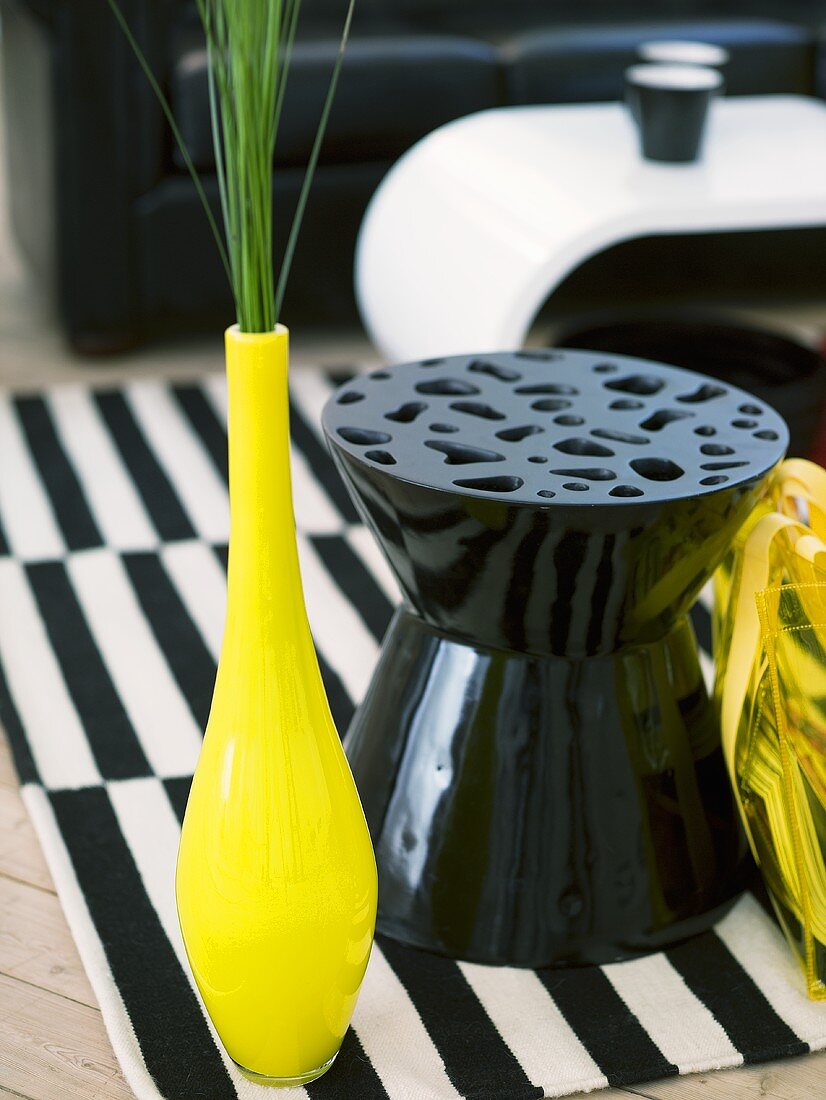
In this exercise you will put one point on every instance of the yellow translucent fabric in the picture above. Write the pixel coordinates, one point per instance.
(770, 648)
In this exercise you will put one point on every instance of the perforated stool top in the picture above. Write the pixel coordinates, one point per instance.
(551, 427)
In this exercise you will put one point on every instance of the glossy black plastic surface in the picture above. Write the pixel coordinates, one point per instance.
(537, 756)
(537, 811)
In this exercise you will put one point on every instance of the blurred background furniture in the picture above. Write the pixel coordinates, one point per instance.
(782, 371)
(485, 218)
(107, 217)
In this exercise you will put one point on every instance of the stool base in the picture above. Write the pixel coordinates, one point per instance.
(544, 811)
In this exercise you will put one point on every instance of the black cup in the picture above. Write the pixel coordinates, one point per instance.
(669, 103)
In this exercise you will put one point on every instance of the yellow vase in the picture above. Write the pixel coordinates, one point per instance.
(770, 649)
(276, 879)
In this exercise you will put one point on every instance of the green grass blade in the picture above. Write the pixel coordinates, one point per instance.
(292, 23)
(289, 251)
(249, 52)
(176, 133)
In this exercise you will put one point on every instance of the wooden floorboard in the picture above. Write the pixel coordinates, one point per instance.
(36, 945)
(20, 855)
(791, 1079)
(54, 1048)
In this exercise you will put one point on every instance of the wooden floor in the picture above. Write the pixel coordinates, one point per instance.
(53, 1045)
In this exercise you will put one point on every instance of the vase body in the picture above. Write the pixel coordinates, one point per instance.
(276, 879)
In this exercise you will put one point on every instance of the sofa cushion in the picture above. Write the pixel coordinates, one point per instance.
(576, 64)
(393, 90)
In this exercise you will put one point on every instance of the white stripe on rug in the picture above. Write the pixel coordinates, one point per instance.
(338, 630)
(687, 1033)
(539, 1036)
(758, 945)
(109, 490)
(157, 709)
(196, 573)
(27, 515)
(395, 1039)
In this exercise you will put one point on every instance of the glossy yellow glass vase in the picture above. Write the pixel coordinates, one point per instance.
(770, 649)
(276, 879)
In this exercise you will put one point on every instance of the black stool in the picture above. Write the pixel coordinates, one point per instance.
(537, 755)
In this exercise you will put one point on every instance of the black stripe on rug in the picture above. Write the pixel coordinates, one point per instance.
(177, 791)
(352, 1077)
(57, 475)
(111, 736)
(206, 425)
(457, 1023)
(355, 581)
(320, 462)
(4, 542)
(221, 552)
(154, 487)
(713, 975)
(176, 1043)
(179, 639)
(24, 762)
(605, 1026)
(341, 705)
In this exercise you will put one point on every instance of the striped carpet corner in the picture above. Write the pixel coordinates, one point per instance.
(113, 531)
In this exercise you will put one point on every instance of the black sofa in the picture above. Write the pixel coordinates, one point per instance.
(108, 218)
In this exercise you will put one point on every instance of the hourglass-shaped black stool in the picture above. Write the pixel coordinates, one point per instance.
(537, 755)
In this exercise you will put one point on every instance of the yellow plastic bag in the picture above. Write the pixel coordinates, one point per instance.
(770, 650)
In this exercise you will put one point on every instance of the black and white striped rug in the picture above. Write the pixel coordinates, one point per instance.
(113, 529)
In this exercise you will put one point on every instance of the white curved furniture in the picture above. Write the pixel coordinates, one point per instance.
(474, 228)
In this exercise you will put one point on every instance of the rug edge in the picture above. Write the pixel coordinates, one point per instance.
(112, 1009)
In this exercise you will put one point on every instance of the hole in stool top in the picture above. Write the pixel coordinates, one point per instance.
(349, 397)
(382, 457)
(643, 384)
(446, 387)
(583, 447)
(407, 413)
(514, 435)
(589, 473)
(657, 469)
(631, 431)
(478, 408)
(460, 454)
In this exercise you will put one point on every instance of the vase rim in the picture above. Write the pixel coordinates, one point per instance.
(278, 333)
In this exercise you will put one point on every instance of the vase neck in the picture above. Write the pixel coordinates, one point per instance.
(264, 581)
